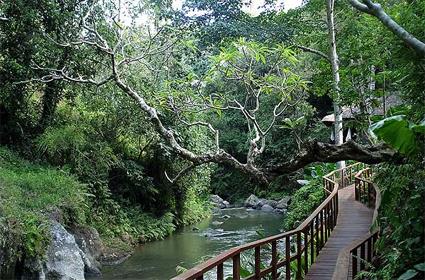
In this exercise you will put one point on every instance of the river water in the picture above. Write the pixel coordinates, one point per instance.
(187, 247)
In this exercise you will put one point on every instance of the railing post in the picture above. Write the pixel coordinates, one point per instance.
(237, 267)
(369, 249)
(306, 250)
(354, 262)
(220, 272)
(317, 235)
(322, 239)
(299, 255)
(312, 241)
(257, 262)
(288, 258)
(362, 256)
(326, 223)
(369, 195)
(329, 219)
(274, 260)
(335, 210)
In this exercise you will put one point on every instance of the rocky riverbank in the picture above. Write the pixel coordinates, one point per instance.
(77, 253)
(253, 202)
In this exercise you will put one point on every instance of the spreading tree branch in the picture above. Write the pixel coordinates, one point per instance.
(376, 10)
(316, 152)
(324, 152)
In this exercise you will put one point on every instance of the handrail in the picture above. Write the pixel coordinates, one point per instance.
(367, 193)
(306, 240)
(357, 255)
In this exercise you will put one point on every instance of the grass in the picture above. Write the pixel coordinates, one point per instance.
(29, 194)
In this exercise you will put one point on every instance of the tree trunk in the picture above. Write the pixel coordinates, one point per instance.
(333, 56)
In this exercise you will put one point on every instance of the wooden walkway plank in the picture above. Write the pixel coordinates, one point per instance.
(354, 221)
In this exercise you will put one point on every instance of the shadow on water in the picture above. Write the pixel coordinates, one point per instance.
(187, 247)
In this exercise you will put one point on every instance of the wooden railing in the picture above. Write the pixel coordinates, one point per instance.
(363, 251)
(286, 255)
(364, 188)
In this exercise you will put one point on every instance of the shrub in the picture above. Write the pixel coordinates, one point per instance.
(401, 218)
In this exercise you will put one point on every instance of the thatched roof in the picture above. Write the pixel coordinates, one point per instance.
(350, 112)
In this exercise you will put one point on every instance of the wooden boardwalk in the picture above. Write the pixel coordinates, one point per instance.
(346, 236)
(354, 221)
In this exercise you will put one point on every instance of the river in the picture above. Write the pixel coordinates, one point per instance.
(190, 245)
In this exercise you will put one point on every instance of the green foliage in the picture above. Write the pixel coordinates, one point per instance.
(303, 202)
(131, 224)
(102, 138)
(408, 275)
(306, 199)
(399, 133)
(29, 193)
(401, 244)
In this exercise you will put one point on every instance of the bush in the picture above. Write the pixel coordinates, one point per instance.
(306, 199)
(401, 219)
(303, 203)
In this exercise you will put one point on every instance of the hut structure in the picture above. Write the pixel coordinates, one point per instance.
(374, 107)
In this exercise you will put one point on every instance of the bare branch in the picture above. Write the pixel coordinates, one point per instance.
(60, 74)
(314, 51)
(181, 173)
(360, 6)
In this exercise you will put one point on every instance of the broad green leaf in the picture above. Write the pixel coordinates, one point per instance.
(408, 274)
(419, 128)
(420, 266)
(396, 131)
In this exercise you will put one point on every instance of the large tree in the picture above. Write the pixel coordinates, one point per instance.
(124, 56)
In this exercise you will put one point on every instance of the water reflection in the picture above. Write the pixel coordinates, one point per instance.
(191, 245)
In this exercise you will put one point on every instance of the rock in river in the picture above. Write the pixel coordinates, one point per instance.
(89, 242)
(267, 208)
(283, 203)
(218, 202)
(64, 260)
(252, 201)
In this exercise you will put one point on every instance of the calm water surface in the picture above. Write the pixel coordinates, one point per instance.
(187, 247)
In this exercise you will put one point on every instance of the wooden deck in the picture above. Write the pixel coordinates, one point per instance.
(354, 221)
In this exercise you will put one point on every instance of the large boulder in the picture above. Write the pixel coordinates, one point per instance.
(271, 202)
(218, 202)
(267, 208)
(252, 201)
(89, 242)
(64, 260)
(283, 203)
(303, 182)
(261, 202)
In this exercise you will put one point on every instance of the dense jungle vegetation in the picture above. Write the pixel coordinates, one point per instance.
(125, 116)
